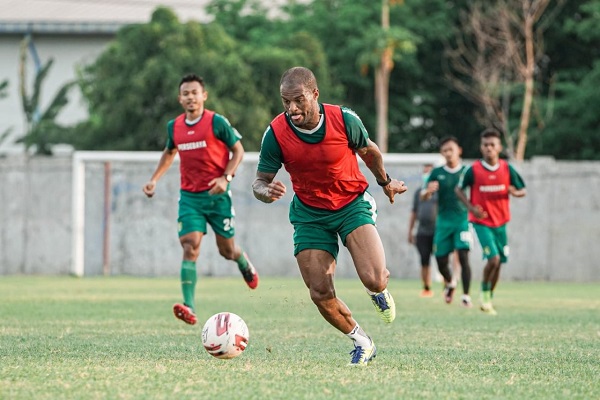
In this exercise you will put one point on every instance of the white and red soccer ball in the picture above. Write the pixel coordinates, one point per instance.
(225, 335)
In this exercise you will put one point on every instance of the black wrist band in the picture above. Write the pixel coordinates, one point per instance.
(387, 182)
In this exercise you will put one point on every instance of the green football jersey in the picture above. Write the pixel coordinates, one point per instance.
(451, 211)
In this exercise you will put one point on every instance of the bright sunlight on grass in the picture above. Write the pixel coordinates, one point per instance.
(109, 338)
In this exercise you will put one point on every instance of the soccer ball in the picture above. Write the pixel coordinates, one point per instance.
(225, 335)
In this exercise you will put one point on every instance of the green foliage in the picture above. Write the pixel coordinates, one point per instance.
(42, 129)
(111, 338)
(586, 25)
(574, 130)
(132, 88)
(571, 78)
(422, 107)
(269, 62)
(271, 46)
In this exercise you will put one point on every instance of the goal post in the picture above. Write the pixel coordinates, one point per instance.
(80, 159)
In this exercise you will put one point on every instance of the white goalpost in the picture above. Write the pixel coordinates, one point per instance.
(80, 159)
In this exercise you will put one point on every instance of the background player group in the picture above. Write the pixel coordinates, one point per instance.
(491, 181)
(317, 144)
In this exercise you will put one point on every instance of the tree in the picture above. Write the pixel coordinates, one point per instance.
(42, 130)
(574, 132)
(572, 46)
(242, 53)
(272, 45)
(496, 52)
(422, 106)
(363, 45)
(353, 42)
(3, 88)
(398, 39)
(131, 89)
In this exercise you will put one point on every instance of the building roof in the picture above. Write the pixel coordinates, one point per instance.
(89, 16)
(97, 10)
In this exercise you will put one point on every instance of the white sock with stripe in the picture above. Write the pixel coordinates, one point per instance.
(359, 337)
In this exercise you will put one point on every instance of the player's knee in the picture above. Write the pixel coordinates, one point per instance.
(227, 253)
(321, 295)
(190, 251)
(495, 261)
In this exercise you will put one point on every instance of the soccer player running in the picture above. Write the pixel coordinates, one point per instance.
(451, 226)
(491, 180)
(317, 143)
(204, 141)
(423, 214)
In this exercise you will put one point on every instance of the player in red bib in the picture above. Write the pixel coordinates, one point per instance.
(204, 141)
(317, 144)
(491, 180)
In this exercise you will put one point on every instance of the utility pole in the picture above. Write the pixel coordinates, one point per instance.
(382, 80)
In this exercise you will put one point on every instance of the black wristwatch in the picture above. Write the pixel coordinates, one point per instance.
(387, 181)
(228, 177)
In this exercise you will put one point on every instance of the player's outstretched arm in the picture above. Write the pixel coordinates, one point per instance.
(166, 159)
(393, 188)
(266, 189)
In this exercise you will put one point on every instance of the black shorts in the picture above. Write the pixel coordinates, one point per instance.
(425, 248)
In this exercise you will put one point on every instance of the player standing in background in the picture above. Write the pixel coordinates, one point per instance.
(451, 227)
(424, 212)
(491, 180)
(204, 140)
(317, 143)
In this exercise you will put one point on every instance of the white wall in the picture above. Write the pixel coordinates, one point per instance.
(553, 234)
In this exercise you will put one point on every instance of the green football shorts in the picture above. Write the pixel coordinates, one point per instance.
(450, 237)
(319, 229)
(198, 209)
(494, 241)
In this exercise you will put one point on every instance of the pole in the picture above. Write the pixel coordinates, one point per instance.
(106, 220)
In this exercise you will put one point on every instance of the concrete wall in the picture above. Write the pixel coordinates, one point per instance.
(553, 234)
(35, 219)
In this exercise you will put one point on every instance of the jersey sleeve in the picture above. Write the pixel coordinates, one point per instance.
(170, 142)
(224, 131)
(270, 157)
(515, 178)
(466, 179)
(358, 137)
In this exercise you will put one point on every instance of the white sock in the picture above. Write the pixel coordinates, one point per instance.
(359, 337)
(372, 293)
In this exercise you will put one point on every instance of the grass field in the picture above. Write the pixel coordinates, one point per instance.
(116, 338)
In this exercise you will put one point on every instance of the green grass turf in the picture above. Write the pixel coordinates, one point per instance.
(99, 338)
